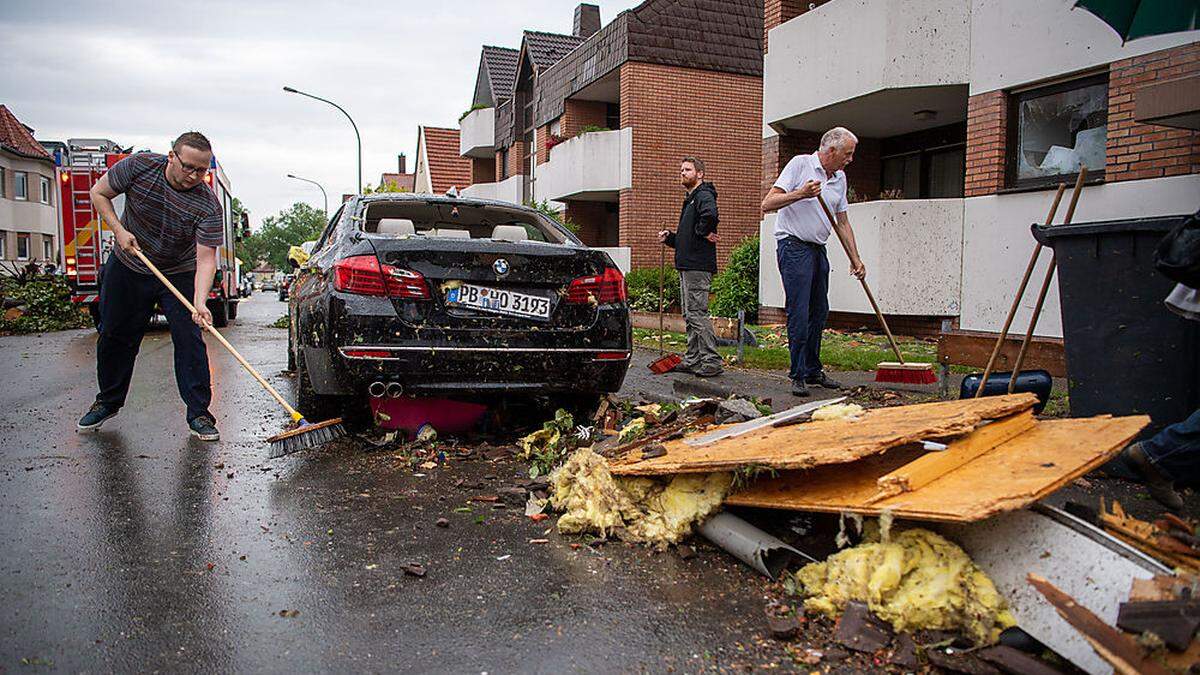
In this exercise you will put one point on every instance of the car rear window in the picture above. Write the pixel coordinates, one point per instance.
(447, 219)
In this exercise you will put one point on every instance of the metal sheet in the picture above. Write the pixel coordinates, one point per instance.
(760, 422)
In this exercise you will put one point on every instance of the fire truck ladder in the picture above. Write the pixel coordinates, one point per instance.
(88, 239)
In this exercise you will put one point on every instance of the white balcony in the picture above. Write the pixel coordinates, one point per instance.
(869, 65)
(912, 249)
(508, 190)
(477, 133)
(595, 166)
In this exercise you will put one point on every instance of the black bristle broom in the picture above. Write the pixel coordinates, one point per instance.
(306, 435)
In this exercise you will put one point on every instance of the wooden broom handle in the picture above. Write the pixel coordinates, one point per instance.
(662, 265)
(866, 288)
(1012, 311)
(220, 338)
(1037, 308)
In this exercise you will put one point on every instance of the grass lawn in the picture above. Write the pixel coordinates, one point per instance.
(839, 350)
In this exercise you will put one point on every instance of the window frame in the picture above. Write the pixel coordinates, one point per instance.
(20, 177)
(1013, 133)
(3, 181)
(45, 194)
(24, 236)
(48, 248)
(3, 245)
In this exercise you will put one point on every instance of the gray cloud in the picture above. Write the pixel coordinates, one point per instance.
(141, 72)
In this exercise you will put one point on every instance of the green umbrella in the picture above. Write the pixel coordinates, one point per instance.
(1133, 19)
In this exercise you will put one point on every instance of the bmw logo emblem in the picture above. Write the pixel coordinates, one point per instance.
(500, 266)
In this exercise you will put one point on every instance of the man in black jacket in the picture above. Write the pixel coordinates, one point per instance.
(695, 244)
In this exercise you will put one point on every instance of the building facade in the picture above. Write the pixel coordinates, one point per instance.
(28, 198)
(970, 113)
(595, 122)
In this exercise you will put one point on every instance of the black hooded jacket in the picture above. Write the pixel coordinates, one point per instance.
(697, 219)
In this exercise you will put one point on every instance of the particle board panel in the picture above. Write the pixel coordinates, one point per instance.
(1012, 475)
(804, 446)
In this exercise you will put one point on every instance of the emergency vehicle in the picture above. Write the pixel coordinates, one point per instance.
(87, 240)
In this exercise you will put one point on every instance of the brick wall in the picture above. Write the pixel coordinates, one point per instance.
(516, 155)
(483, 170)
(676, 112)
(776, 12)
(1136, 151)
(987, 130)
(543, 149)
(901, 325)
(592, 220)
(579, 114)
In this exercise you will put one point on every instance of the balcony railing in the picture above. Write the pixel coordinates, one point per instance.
(595, 165)
(507, 190)
(477, 133)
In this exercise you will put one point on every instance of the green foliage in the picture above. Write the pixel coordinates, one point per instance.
(388, 186)
(290, 227)
(642, 288)
(589, 128)
(45, 305)
(737, 287)
(468, 111)
(547, 448)
(284, 321)
(544, 208)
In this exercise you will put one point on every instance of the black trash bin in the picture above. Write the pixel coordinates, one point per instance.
(1126, 352)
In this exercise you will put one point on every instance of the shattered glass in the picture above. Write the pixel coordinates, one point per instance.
(1057, 133)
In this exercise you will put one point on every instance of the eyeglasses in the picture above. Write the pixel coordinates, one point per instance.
(189, 169)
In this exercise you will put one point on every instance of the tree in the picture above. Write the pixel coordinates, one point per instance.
(290, 227)
(389, 186)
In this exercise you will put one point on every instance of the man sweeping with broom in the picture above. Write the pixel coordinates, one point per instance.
(801, 230)
(173, 219)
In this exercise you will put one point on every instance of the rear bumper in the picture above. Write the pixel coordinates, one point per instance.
(466, 370)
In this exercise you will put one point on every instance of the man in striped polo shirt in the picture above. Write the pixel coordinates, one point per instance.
(174, 219)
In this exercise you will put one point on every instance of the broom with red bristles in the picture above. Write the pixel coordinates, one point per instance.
(898, 371)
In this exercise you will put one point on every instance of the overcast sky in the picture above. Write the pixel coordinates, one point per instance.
(141, 72)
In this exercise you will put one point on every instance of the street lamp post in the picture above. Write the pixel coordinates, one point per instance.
(323, 195)
(291, 90)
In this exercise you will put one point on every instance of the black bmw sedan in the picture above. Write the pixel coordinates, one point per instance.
(453, 297)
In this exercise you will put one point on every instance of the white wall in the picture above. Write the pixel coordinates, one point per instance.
(599, 161)
(477, 133)
(621, 256)
(1016, 42)
(912, 250)
(845, 49)
(997, 242)
(29, 215)
(507, 190)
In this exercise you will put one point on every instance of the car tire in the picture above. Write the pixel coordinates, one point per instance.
(220, 313)
(233, 309)
(583, 407)
(315, 407)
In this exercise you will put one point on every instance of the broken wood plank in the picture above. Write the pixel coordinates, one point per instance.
(1175, 621)
(808, 445)
(1012, 660)
(1012, 475)
(929, 467)
(1112, 645)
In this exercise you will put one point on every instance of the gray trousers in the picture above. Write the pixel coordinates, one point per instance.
(701, 343)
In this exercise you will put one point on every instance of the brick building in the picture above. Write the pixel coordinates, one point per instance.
(439, 166)
(401, 179)
(28, 198)
(970, 113)
(595, 122)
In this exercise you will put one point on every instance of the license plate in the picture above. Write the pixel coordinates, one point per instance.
(499, 301)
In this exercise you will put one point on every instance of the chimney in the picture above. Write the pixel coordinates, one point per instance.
(587, 20)
(402, 163)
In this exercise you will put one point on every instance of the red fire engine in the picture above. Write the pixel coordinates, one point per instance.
(87, 240)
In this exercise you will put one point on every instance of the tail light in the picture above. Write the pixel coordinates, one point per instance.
(605, 288)
(363, 275)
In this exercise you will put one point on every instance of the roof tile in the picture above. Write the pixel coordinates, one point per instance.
(14, 137)
(447, 168)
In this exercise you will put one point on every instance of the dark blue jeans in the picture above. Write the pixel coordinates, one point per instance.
(804, 268)
(127, 302)
(1176, 450)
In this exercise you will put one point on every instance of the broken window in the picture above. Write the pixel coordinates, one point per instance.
(1058, 129)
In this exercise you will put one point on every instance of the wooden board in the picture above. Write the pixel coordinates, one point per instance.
(813, 444)
(1010, 476)
(973, 348)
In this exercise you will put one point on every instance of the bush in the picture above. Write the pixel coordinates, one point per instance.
(544, 208)
(44, 303)
(737, 287)
(642, 287)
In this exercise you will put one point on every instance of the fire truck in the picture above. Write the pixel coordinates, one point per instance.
(87, 240)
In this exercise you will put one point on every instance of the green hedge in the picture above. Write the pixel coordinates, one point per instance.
(44, 303)
(642, 286)
(737, 287)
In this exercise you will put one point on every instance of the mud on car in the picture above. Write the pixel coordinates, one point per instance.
(457, 298)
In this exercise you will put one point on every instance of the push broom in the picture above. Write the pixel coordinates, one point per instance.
(305, 435)
(898, 371)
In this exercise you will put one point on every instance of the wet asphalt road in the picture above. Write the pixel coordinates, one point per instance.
(142, 549)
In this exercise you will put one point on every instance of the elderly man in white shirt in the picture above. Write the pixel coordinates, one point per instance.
(801, 230)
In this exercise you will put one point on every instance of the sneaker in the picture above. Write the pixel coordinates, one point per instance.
(708, 371)
(1158, 484)
(798, 388)
(822, 380)
(95, 416)
(204, 427)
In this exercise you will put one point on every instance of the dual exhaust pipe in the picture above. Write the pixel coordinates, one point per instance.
(388, 389)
